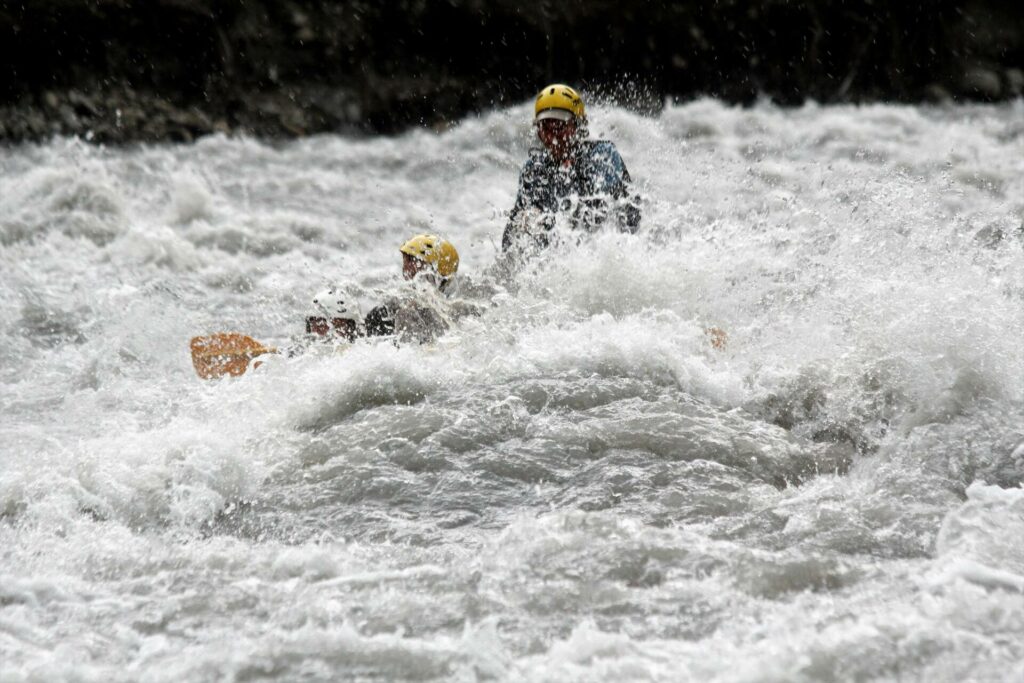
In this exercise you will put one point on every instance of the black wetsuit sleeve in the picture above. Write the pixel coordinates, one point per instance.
(629, 206)
(530, 195)
(380, 322)
(522, 201)
(615, 178)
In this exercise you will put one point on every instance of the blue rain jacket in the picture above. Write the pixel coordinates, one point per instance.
(594, 187)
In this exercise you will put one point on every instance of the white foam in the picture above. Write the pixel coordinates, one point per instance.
(576, 485)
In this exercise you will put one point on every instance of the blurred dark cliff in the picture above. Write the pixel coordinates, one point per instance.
(123, 70)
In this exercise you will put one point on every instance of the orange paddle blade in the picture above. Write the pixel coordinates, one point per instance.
(225, 353)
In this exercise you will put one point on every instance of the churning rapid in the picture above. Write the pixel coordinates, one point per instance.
(575, 485)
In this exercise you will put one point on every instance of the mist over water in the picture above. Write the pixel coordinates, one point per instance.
(574, 486)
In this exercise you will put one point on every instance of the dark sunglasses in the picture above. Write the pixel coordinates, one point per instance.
(320, 326)
(317, 325)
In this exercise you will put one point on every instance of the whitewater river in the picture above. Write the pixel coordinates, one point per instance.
(573, 487)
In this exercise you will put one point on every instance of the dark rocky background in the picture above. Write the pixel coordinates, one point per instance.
(127, 70)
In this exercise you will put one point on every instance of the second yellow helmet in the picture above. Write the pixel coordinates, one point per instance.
(556, 101)
(438, 252)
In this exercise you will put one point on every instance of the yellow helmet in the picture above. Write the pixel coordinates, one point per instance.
(557, 101)
(438, 252)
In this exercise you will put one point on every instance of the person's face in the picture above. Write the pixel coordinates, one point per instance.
(557, 136)
(317, 325)
(411, 266)
(342, 327)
